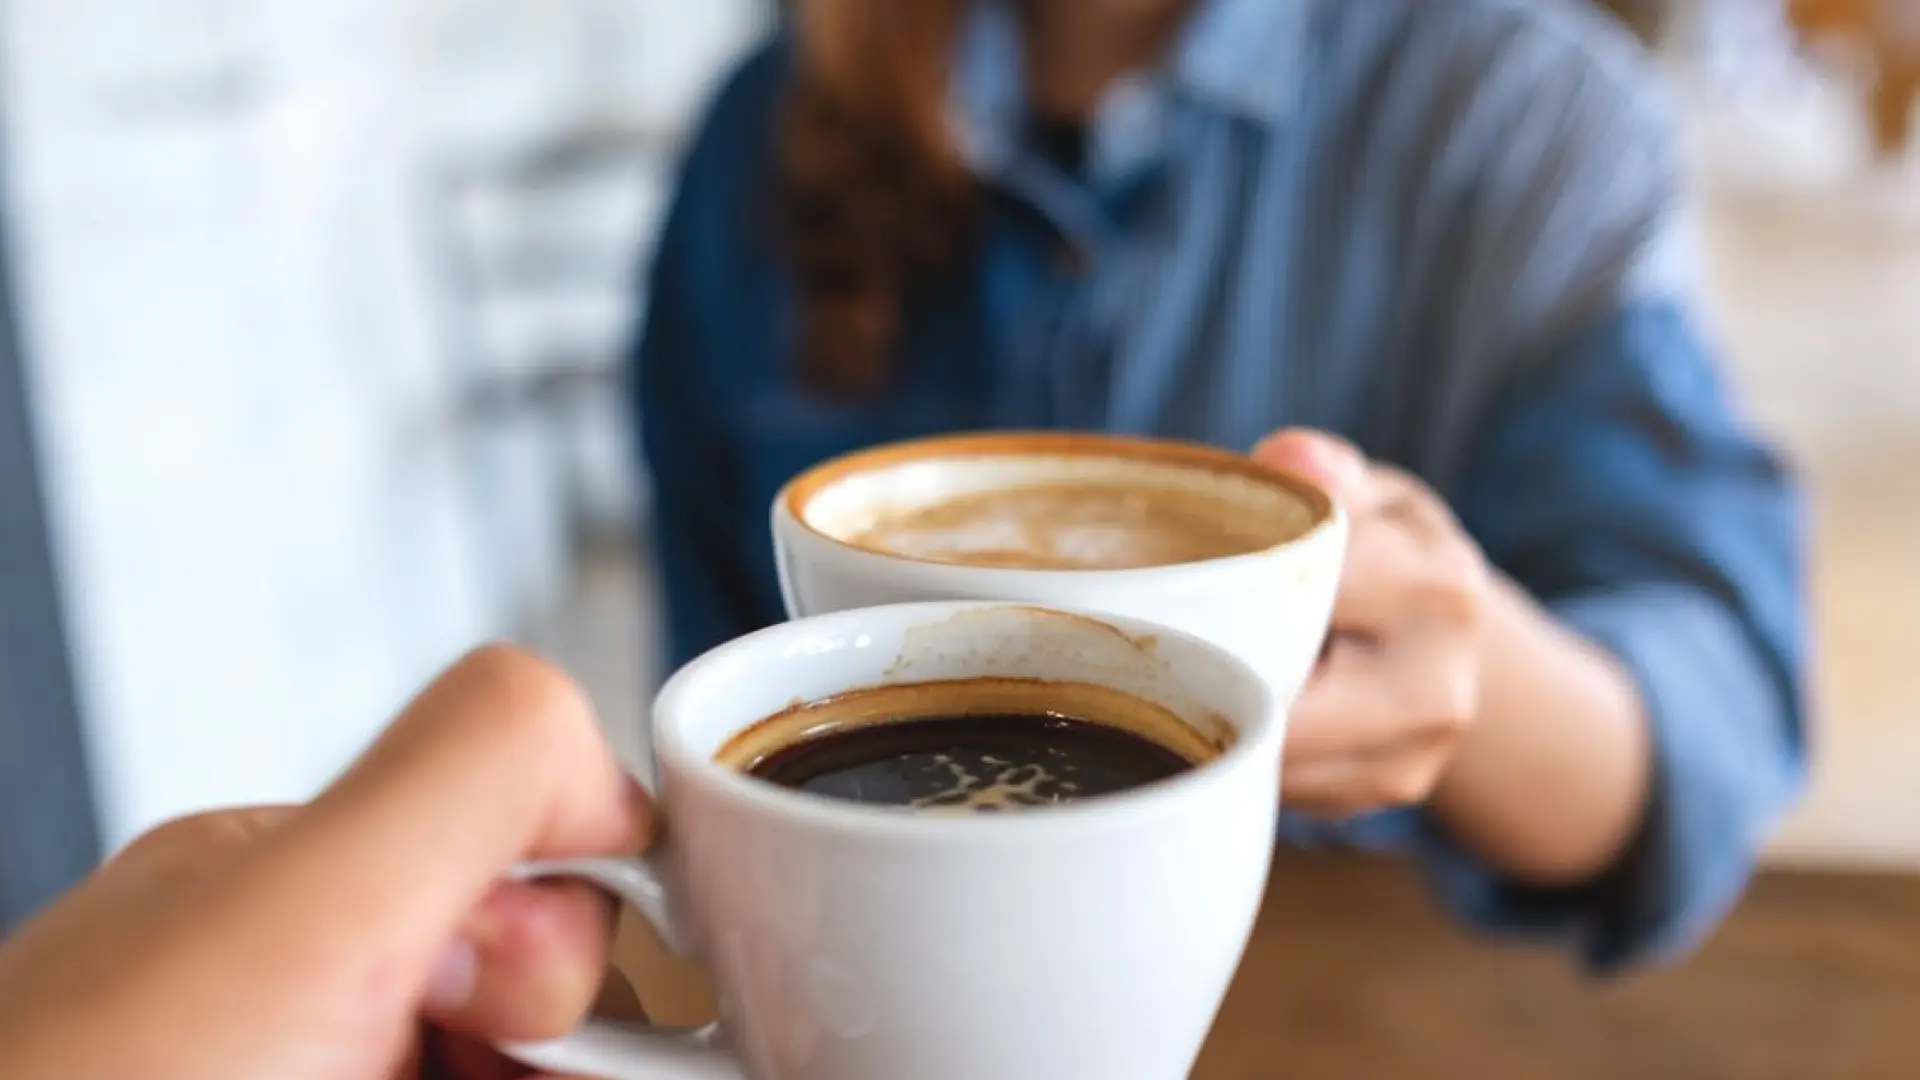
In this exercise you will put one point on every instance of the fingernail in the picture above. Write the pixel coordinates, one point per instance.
(454, 975)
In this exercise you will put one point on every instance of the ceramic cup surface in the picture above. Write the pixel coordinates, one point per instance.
(1269, 605)
(851, 942)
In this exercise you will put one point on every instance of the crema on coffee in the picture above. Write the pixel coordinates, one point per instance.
(970, 746)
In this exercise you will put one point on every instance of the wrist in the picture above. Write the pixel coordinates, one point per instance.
(1550, 783)
(1504, 639)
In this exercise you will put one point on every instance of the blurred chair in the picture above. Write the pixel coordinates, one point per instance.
(536, 256)
(538, 229)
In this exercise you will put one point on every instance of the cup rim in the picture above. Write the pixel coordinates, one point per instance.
(795, 496)
(1261, 734)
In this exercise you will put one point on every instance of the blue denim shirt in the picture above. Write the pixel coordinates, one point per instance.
(1449, 231)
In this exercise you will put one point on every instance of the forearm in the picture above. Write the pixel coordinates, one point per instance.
(1551, 781)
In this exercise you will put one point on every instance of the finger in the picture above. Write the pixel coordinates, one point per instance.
(499, 760)
(1327, 460)
(463, 1057)
(1362, 606)
(1404, 498)
(1380, 567)
(1373, 702)
(1345, 711)
(1399, 579)
(1327, 789)
(527, 963)
(1345, 787)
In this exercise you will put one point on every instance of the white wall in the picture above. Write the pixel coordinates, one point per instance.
(264, 500)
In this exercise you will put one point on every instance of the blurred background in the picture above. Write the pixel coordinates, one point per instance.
(311, 321)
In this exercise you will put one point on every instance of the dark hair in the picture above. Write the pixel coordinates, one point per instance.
(873, 195)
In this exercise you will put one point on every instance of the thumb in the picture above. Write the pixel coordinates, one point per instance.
(1330, 461)
(399, 862)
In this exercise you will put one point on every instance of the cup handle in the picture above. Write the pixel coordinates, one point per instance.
(609, 1050)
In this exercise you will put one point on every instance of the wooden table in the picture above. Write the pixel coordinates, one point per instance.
(1353, 973)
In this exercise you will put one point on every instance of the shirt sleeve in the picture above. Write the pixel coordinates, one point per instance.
(1610, 475)
(704, 570)
(1617, 486)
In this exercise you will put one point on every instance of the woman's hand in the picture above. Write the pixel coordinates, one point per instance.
(1398, 685)
(1444, 683)
(366, 936)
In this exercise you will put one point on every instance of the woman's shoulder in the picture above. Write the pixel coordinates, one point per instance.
(734, 134)
(741, 110)
(1502, 92)
(1542, 51)
(718, 222)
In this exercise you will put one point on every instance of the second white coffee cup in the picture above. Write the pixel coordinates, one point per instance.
(1270, 606)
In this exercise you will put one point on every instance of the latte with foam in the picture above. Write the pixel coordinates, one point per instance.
(1076, 526)
(1071, 503)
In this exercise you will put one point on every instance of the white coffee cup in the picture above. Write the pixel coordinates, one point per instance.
(850, 942)
(1270, 606)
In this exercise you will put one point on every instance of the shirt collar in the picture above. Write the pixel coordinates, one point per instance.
(1241, 57)
(1244, 56)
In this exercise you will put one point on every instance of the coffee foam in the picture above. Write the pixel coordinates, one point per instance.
(992, 784)
(908, 702)
(1080, 511)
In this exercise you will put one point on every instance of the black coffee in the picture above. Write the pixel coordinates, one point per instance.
(990, 762)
